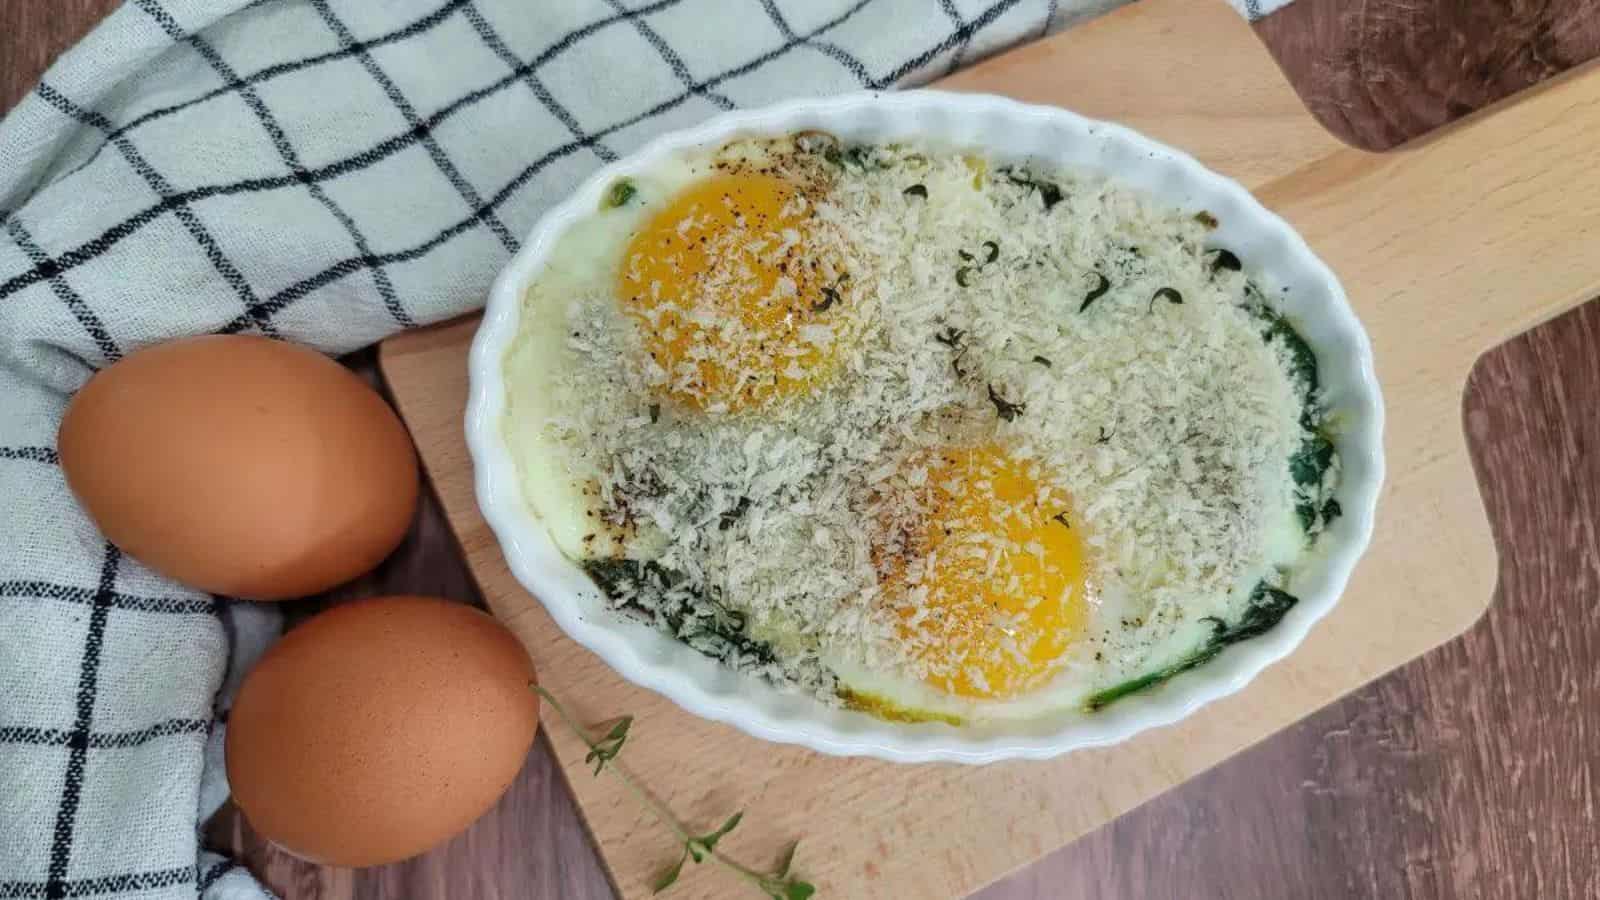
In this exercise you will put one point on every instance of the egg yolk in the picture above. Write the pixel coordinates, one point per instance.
(988, 572)
(733, 305)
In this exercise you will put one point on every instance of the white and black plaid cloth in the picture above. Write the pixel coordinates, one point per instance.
(328, 172)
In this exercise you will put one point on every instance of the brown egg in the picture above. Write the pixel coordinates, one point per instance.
(241, 465)
(380, 728)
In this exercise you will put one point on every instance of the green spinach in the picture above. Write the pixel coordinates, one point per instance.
(1268, 605)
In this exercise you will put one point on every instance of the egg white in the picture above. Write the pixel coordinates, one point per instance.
(1082, 674)
(586, 259)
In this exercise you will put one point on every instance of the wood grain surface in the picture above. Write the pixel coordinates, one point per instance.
(1382, 72)
(1467, 774)
(34, 32)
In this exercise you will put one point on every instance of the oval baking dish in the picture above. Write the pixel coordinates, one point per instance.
(1008, 132)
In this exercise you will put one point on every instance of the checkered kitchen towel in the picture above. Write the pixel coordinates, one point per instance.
(325, 171)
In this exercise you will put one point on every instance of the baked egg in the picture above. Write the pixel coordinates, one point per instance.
(929, 435)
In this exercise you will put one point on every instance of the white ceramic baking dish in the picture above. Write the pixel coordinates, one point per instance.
(1006, 131)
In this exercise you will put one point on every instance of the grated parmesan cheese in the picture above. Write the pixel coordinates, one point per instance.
(961, 315)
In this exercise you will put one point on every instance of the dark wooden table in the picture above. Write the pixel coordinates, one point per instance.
(1472, 772)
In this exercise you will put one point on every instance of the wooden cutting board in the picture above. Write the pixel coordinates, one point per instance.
(1381, 72)
(1446, 249)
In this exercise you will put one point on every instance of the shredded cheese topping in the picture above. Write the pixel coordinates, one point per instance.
(761, 404)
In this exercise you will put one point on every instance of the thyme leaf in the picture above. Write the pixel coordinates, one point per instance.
(606, 748)
(786, 859)
(704, 844)
(670, 874)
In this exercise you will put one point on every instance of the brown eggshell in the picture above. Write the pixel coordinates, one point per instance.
(241, 465)
(380, 728)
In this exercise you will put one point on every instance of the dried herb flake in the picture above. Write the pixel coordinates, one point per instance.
(1170, 295)
(730, 516)
(1098, 292)
(621, 192)
(1006, 409)
(1049, 193)
(1225, 259)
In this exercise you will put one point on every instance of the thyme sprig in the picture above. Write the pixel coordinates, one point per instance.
(777, 885)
